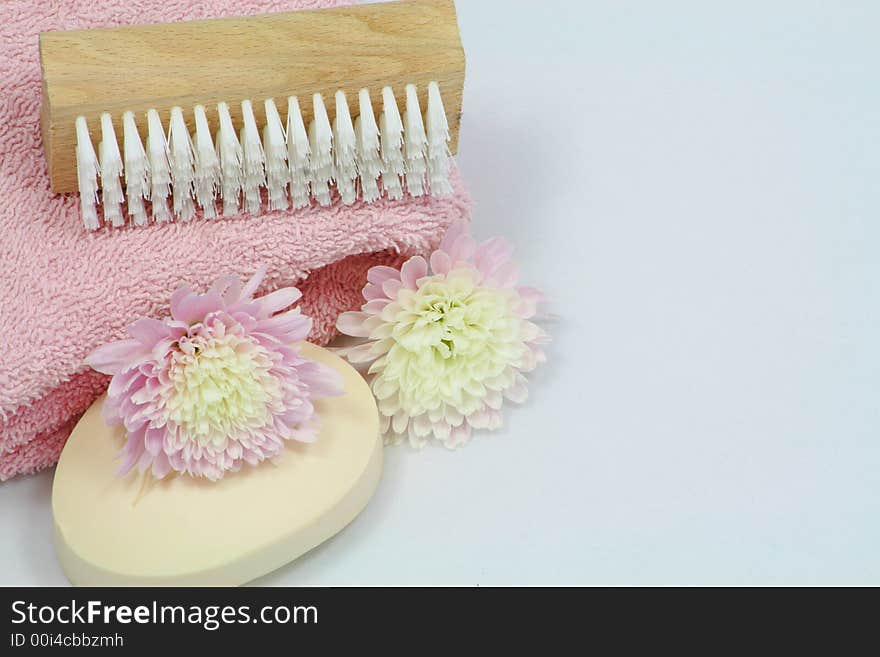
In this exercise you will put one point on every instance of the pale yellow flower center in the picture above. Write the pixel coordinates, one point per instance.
(451, 336)
(219, 386)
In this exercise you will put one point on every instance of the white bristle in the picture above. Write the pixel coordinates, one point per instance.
(320, 171)
(137, 170)
(110, 162)
(182, 165)
(253, 159)
(160, 169)
(367, 136)
(277, 175)
(320, 144)
(86, 175)
(207, 165)
(391, 129)
(415, 143)
(345, 151)
(406, 151)
(229, 154)
(298, 154)
(437, 129)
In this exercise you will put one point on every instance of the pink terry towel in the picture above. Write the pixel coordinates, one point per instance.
(64, 291)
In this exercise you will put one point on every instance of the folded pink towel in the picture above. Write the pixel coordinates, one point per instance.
(64, 291)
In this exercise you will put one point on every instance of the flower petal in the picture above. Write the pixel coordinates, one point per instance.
(322, 380)
(391, 287)
(458, 436)
(193, 307)
(383, 330)
(228, 287)
(455, 230)
(529, 299)
(416, 441)
(381, 273)
(149, 331)
(115, 357)
(130, 379)
(519, 391)
(279, 300)
(492, 254)
(362, 353)
(153, 440)
(505, 276)
(161, 465)
(531, 293)
(421, 426)
(144, 461)
(400, 421)
(130, 454)
(251, 286)
(291, 326)
(352, 323)
(371, 292)
(179, 295)
(412, 270)
(375, 306)
(441, 263)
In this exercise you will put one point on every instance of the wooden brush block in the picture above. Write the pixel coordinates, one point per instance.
(115, 70)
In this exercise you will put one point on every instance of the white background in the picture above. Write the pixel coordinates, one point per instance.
(695, 184)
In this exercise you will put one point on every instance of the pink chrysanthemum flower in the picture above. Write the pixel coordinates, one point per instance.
(219, 384)
(448, 342)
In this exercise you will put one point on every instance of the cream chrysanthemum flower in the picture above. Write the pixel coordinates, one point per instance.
(448, 343)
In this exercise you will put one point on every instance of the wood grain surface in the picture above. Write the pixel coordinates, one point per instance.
(87, 72)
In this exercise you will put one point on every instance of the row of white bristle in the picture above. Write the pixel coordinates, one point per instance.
(361, 158)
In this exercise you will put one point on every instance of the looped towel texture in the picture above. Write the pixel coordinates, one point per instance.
(64, 291)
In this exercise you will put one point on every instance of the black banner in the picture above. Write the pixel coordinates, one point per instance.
(414, 620)
(244, 618)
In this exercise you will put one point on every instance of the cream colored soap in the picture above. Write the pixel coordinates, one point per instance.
(183, 531)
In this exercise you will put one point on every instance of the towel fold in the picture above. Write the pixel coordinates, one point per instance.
(64, 291)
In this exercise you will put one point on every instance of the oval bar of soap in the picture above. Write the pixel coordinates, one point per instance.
(135, 530)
